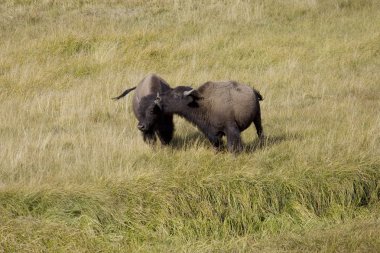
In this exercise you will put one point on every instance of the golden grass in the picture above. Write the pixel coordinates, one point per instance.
(74, 167)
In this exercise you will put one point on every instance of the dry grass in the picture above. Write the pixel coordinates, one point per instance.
(76, 176)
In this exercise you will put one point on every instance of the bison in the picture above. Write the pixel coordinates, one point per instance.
(151, 120)
(217, 109)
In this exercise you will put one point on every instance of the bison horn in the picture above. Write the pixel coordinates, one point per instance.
(158, 99)
(187, 93)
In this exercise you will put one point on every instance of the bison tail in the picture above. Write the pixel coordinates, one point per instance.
(124, 93)
(259, 96)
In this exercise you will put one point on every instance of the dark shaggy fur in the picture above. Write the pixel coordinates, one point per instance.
(149, 114)
(152, 121)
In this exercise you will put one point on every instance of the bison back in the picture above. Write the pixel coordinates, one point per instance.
(229, 101)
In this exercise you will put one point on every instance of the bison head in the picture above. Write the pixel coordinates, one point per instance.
(148, 113)
(177, 99)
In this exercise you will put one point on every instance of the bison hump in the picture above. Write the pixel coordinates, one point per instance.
(151, 84)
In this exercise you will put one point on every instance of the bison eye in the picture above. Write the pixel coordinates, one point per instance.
(153, 111)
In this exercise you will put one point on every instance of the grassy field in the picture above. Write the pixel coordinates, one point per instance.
(75, 175)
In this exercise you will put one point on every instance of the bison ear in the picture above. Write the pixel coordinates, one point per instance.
(193, 93)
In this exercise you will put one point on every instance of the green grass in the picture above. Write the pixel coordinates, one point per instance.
(75, 175)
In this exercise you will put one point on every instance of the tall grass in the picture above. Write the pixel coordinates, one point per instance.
(75, 175)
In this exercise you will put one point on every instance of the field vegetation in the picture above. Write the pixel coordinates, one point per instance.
(76, 176)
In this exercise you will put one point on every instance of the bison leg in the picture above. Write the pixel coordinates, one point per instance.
(149, 137)
(216, 140)
(165, 130)
(234, 144)
(259, 127)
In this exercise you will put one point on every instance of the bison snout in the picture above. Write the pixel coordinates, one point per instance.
(141, 127)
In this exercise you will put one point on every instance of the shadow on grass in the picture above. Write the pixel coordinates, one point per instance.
(198, 139)
(189, 140)
(269, 141)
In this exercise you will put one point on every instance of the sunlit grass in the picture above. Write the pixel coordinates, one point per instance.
(76, 176)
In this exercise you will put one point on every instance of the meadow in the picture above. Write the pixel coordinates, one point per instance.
(76, 176)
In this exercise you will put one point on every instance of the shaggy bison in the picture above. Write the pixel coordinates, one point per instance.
(217, 109)
(151, 120)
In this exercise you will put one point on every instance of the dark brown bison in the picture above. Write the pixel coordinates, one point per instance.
(217, 109)
(151, 120)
